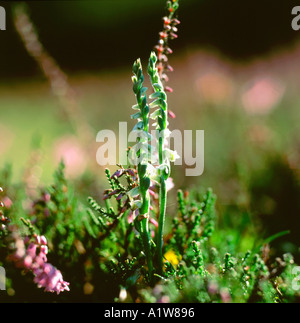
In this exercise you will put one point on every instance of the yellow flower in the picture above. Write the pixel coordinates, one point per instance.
(172, 257)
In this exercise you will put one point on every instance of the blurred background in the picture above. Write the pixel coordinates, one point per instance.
(236, 76)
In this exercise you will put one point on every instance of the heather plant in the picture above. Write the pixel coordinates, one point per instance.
(95, 247)
(119, 247)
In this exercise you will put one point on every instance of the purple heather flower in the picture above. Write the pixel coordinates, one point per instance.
(119, 197)
(131, 172)
(118, 173)
(133, 215)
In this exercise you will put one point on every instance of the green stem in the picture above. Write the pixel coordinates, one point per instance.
(161, 221)
(144, 210)
(162, 205)
(147, 246)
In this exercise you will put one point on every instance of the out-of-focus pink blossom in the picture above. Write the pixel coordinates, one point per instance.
(262, 95)
(225, 295)
(7, 202)
(47, 197)
(70, 151)
(7, 138)
(213, 288)
(214, 87)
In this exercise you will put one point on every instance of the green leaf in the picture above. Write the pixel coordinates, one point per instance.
(138, 126)
(144, 101)
(276, 236)
(136, 115)
(136, 66)
(155, 103)
(145, 183)
(153, 58)
(158, 94)
(89, 228)
(155, 114)
(271, 239)
(161, 123)
(134, 192)
(143, 90)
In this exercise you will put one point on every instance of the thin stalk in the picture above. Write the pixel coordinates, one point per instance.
(162, 205)
(146, 239)
(161, 222)
(145, 233)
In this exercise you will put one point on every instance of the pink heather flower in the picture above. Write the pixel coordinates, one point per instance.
(133, 215)
(154, 222)
(49, 278)
(37, 239)
(169, 183)
(44, 250)
(47, 197)
(46, 275)
(152, 193)
(27, 262)
(31, 250)
(171, 114)
(169, 89)
(170, 68)
(130, 217)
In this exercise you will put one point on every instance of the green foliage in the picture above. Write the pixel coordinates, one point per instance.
(91, 252)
